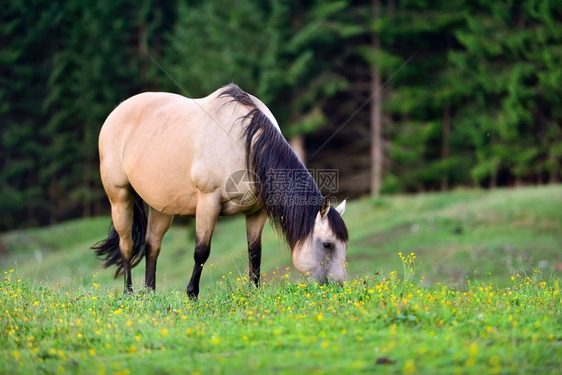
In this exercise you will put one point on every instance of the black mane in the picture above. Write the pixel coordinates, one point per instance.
(287, 191)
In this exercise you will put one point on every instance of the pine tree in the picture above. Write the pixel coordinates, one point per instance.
(93, 70)
(409, 53)
(507, 69)
(24, 63)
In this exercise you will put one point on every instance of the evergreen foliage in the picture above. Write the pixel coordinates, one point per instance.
(473, 94)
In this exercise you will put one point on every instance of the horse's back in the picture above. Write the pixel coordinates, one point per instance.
(172, 149)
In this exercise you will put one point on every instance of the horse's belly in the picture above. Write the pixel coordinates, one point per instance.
(168, 200)
(233, 208)
(175, 190)
(185, 204)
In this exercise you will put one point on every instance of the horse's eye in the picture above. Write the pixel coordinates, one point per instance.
(327, 245)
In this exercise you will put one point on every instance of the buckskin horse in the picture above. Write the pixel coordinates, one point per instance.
(177, 154)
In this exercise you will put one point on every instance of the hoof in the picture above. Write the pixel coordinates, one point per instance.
(192, 296)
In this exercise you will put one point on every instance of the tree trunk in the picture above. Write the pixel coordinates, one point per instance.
(89, 162)
(143, 52)
(494, 180)
(297, 144)
(445, 145)
(87, 198)
(297, 141)
(376, 112)
(554, 172)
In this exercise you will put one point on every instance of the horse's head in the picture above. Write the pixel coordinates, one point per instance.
(321, 256)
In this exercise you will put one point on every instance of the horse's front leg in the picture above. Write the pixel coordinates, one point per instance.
(158, 225)
(208, 209)
(254, 228)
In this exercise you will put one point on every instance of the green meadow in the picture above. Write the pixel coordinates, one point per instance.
(461, 282)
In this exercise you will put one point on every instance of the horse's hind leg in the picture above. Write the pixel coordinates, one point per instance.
(254, 228)
(122, 204)
(158, 225)
(206, 216)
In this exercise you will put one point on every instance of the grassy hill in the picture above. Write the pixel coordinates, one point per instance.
(484, 235)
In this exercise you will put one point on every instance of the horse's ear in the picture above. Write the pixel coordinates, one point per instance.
(341, 207)
(324, 209)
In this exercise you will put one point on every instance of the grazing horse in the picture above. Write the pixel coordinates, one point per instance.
(219, 155)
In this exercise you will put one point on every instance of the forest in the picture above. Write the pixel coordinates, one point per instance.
(398, 96)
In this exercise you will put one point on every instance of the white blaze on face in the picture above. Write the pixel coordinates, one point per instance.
(322, 256)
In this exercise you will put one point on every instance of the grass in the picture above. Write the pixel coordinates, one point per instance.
(466, 282)
(476, 291)
(461, 235)
(390, 324)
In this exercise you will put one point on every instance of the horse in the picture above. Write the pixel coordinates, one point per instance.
(217, 155)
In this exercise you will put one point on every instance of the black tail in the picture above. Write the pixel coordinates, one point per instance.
(108, 249)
